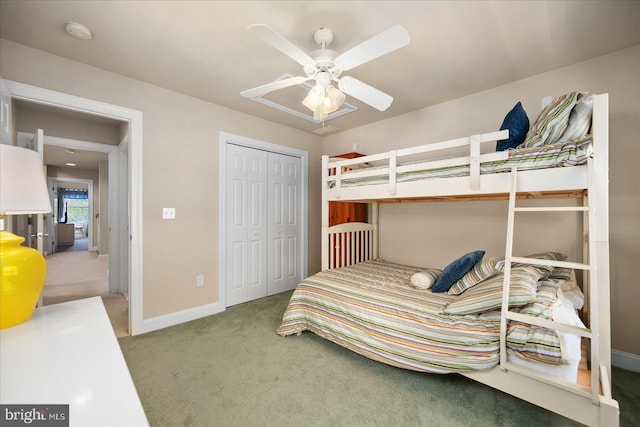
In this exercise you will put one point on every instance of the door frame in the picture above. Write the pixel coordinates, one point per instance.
(111, 151)
(51, 181)
(16, 90)
(229, 138)
(114, 207)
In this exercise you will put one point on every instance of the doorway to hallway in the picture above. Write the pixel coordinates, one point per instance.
(73, 275)
(126, 224)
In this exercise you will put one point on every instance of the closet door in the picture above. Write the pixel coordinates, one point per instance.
(285, 208)
(246, 219)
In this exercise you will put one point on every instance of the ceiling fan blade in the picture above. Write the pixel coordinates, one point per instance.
(282, 44)
(270, 87)
(365, 93)
(385, 42)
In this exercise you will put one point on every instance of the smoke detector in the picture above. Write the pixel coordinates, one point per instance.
(78, 31)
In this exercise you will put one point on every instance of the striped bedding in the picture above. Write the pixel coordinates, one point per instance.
(564, 154)
(371, 308)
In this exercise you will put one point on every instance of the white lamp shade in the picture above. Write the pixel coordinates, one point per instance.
(323, 101)
(336, 98)
(314, 98)
(23, 188)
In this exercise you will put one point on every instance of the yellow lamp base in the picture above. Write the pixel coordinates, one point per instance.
(22, 274)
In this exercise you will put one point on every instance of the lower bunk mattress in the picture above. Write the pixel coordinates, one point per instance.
(372, 309)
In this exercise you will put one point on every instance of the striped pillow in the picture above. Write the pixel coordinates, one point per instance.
(561, 273)
(551, 122)
(486, 268)
(487, 295)
(535, 342)
(425, 279)
(544, 270)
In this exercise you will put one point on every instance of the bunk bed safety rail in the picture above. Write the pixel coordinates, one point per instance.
(393, 171)
(350, 243)
(474, 161)
(342, 169)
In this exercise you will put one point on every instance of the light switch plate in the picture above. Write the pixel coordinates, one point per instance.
(168, 213)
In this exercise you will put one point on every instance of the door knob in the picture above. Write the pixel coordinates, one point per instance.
(39, 235)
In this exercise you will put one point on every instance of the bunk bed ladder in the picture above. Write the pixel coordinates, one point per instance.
(590, 268)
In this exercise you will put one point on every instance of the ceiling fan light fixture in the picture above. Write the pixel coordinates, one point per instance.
(324, 66)
(336, 98)
(314, 98)
(329, 99)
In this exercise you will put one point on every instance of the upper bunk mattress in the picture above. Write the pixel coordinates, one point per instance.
(566, 154)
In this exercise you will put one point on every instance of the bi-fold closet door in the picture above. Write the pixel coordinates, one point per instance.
(263, 208)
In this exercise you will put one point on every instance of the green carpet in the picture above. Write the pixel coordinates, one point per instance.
(232, 369)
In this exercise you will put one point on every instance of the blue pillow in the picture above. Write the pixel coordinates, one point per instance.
(454, 271)
(517, 122)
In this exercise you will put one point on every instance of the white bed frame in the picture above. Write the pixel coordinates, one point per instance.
(347, 244)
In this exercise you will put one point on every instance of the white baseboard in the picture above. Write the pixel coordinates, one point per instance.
(103, 256)
(183, 316)
(624, 360)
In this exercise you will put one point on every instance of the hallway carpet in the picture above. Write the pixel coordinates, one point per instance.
(78, 245)
(232, 369)
(73, 275)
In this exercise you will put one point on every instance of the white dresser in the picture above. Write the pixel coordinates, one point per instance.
(68, 354)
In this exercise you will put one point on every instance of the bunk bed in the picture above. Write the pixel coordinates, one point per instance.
(527, 342)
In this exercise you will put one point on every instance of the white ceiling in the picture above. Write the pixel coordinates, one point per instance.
(57, 155)
(83, 159)
(203, 49)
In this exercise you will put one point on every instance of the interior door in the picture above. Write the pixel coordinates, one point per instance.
(32, 227)
(51, 236)
(40, 230)
(124, 211)
(285, 193)
(246, 219)
(5, 114)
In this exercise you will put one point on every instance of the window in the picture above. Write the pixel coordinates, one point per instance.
(73, 205)
(77, 210)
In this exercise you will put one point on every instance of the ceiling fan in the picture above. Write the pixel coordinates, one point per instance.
(325, 65)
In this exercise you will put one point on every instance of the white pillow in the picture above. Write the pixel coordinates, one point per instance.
(579, 120)
(425, 279)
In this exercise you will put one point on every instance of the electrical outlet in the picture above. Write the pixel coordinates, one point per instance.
(168, 213)
(200, 280)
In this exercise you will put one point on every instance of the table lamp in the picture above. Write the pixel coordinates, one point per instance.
(23, 190)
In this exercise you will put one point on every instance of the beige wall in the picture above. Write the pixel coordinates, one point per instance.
(180, 161)
(432, 234)
(65, 125)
